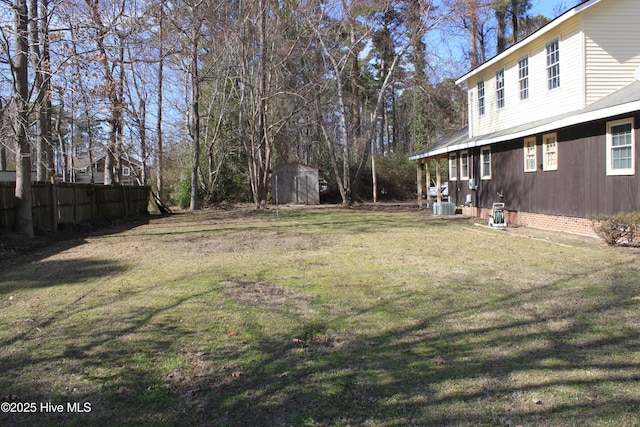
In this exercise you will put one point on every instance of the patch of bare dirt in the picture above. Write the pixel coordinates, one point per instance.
(262, 294)
(14, 246)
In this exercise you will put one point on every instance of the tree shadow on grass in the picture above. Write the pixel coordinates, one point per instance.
(538, 363)
(547, 368)
(16, 250)
(208, 224)
(51, 273)
(108, 361)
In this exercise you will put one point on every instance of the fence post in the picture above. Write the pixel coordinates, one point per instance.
(125, 200)
(94, 202)
(75, 203)
(54, 205)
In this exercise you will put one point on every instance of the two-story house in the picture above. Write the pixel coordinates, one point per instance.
(553, 123)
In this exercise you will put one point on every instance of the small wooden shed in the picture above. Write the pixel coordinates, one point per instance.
(295, 183)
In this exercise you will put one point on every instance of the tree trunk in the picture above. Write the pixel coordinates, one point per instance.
(501, 17)
(3, 157)
(264, 148)
(23, 213)
(160, 153)
(115, 104)
(64, 157)
(472, 10)
(143, 141)
(45, 69)
(3, 150)
(194, 128)
(515, 15)
(42, 105)
(195, 138)
(119, 97)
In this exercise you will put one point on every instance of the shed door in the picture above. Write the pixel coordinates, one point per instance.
(302, 189)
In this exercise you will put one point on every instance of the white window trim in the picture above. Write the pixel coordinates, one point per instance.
(535, 154)
(465, 176)
(500, 90)
(627, 171)
(523, 80)
(545, 166)
(482, 100)
(453, 166)
(483, 175)
(126, 171)
(552, 65)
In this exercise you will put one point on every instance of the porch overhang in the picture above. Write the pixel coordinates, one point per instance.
(624, 101)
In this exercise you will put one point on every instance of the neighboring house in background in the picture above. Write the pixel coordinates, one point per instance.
(131, 172)
(553, 123)
(296, 183)
(10, 176)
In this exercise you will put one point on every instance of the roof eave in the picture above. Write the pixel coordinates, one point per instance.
(530, 38)
(546, 128)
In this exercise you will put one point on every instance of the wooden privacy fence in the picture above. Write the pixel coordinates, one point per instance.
(64, 203)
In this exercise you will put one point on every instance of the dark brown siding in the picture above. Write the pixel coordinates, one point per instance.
(579, 188)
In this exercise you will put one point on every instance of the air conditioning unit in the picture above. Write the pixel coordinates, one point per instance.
(444, 208)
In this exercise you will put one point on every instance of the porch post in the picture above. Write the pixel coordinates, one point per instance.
(419, 178)
(438, 181)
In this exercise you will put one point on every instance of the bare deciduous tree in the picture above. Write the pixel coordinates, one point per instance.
(19, 69)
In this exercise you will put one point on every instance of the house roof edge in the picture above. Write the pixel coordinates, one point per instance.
(574, 11)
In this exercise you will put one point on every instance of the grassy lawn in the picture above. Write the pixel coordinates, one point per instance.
(322, 317)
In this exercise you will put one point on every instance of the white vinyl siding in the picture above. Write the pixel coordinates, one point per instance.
(610, 62)
(620, 148)
(541, 103)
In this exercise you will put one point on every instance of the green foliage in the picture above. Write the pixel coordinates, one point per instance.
(433, 170)
(232, 183)
(619, 229)
(396, 178)
(181, 192)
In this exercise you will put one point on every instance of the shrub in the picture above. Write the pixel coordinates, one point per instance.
(181, 194)
(619, 229)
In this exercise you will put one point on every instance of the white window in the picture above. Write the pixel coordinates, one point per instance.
(500, 89)
(620, 148)
(523, 77)
(550, 152)
(485, 162)
(453, 167)
(126, 171)
(481, 97)
(530, 155)
(553, 64)
(464, 165)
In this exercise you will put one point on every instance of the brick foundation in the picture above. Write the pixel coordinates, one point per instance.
(565, 224)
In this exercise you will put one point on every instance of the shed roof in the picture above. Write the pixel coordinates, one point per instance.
(295, 165)
(623, 101)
